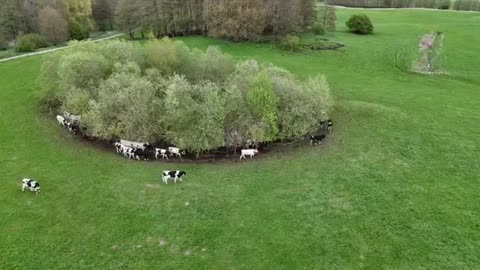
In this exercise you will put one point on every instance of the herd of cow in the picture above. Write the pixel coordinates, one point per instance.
(140, 151)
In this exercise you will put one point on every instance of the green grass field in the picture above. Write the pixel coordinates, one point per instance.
(395, 187)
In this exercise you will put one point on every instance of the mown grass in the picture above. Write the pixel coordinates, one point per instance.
(395, 187)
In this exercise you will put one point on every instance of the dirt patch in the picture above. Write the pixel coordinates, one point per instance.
(214, 156)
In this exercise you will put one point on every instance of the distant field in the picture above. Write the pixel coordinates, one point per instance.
(395, 187)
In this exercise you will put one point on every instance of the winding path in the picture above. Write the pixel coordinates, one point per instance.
(55, 49)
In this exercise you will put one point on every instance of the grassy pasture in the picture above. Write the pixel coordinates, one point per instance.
(395, 187)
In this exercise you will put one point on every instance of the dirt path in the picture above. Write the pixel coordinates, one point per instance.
(54, 49)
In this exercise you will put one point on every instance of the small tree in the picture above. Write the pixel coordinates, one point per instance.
(53, 25)
(291, 43)
(195, 115)
(77, 31)
(264, 104)
(318, 29)
(360, 24)
(327, 18)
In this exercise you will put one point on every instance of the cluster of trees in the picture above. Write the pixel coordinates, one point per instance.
(436, 4)
(167, 92)
(56, 20)
(232, 19)
(467, 5)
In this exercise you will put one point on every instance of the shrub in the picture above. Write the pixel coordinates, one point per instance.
(291, 43)
(76, 30)
(318, 29)
(360, 24)
(31, 42)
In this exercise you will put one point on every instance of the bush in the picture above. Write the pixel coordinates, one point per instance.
(360, 24)
(77, 31)
(291, 43)
(31, 42)
(318, 29)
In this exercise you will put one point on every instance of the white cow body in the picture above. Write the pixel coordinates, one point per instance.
(248, 152)
(133, 144)
(61, 120)
(174, 151)
(161, 153)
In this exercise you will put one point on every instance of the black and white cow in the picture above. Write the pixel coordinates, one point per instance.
(316, 139)
(329, 125)
(118, 147)
(161, 153)
(166, 175)
(31, 184)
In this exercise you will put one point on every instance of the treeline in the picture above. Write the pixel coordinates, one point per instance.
(60, 20)
(232, 19)
(66, 18)
(435, 4)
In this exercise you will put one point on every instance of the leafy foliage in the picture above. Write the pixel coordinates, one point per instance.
(195, 100)
(77, 30)
(360, 24)
(318, 29)
(31, 42)
(53, 25)
(291, 43)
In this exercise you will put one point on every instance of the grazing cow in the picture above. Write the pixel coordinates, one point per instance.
(248, 152)
(175, 151)
(161, 153)
(33, 185)
(61, 120)
(172, 175)
(139, 145)
(330, 126)
(316, 139)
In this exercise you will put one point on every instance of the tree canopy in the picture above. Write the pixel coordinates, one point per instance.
(192, 99)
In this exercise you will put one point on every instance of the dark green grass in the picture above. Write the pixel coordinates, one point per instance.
(395, 187)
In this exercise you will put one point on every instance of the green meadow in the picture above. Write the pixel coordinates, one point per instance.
(395, 186)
